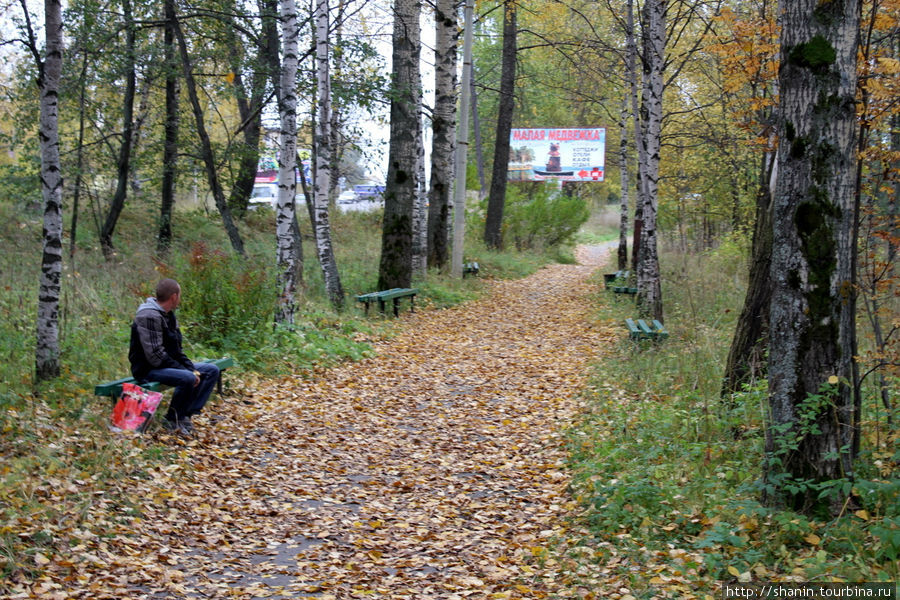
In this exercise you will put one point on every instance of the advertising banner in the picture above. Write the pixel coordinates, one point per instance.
(558, 154)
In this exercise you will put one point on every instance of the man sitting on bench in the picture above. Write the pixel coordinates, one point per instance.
(155, 354)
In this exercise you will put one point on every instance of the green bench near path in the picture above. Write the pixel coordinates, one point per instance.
(394, 295)
(621, 289)
(113, 389)
(641, 330)
(611, 279)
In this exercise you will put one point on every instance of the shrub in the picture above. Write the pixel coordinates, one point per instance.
(226, 297)
(540, 216)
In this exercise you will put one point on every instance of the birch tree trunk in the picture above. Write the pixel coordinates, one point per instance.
(649, 296)
(337, 120)
(395, 269)
(625, 183)
(810, 436)
(46, 357)
(122, 168)
(443, 121)
(632, 74)
(323, 161)
(493, 235)
(420, 208)
(286, 252)
(462, 148)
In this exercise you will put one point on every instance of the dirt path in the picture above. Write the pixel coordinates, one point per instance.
(432, 471)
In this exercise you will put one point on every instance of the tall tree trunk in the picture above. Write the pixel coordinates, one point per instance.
(649, 295)
(443, 126)
(122, 167)
(812, 326)
(286, 253)
(493, 226)
(249, 103)
(170, 143)
(632, 74)
(476, 134)
(395, 269)
(79, 160)
(323, 161)
(337, 122)
(746, 358)
(206, 150)
(625, 183)
(46, 357)
(420, 206)
(462, 147)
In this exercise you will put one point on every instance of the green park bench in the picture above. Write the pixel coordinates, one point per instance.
(113, 389)
(641, 330)
(393, 294)
(620, 289)
(611, 279)
(470, 268)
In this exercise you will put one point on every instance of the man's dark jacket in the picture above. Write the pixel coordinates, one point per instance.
(155, 341)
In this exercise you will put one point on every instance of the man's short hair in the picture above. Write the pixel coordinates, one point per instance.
(166, 288)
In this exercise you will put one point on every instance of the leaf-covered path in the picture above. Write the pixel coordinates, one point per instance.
(435, 470)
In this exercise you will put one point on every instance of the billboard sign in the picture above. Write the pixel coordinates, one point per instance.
(557, 154)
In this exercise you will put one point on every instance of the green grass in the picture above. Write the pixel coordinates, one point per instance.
(660, 472)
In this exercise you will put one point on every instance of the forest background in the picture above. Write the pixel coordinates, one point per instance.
(571, 64)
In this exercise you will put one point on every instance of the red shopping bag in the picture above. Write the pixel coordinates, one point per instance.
(134, 408)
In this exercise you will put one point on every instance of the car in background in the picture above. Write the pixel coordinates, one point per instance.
(348, 197)
(264, 194)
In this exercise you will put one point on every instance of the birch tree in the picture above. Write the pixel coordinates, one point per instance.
(809, 439)
(462, 147)
(624, 185)
(443, 119)
(653, 34)
(322, 226)
(395, 268)
(49, 73)
(286, 254)
(420, 205)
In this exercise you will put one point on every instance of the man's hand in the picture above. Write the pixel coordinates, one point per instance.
(197, 377)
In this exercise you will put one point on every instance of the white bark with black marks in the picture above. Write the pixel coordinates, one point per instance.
(322, 228)
(443, 126)
(50, 70)
(287, 254)
(653, 20)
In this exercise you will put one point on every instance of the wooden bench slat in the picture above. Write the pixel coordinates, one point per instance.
(114, 388)
(641, 330)
(392, 294)
(609, 279)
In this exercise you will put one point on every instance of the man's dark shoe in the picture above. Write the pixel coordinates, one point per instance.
(178, 426)
(187, 425)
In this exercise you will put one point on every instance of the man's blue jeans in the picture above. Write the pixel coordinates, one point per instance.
(187, 399)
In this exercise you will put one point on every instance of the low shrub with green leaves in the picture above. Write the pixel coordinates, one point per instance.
(540, 216)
